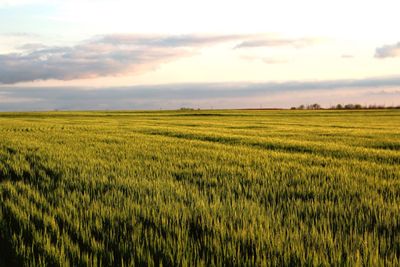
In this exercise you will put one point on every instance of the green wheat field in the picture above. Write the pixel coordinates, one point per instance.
(200, 188)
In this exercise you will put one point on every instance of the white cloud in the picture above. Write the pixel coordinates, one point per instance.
(10, 3)
(274, 42)
(347, 56)
(266, 60)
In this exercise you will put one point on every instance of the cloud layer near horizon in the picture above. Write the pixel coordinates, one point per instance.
(204, 95)
(116, 54)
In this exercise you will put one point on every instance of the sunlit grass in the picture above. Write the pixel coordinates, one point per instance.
(185, 188)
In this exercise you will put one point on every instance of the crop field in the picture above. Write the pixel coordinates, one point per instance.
(200, 188)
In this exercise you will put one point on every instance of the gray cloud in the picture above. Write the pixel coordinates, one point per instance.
(203, 95)
(388, 51)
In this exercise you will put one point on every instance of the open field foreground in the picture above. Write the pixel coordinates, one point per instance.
(186, 188)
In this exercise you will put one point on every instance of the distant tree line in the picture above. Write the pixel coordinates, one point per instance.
(313, 106)
(188, 109)
(346, 106)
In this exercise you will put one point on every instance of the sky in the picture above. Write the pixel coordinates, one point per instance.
(120, 54)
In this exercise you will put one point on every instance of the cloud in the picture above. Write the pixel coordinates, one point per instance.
(83, 61)
(20, 34)
(204, 95)
(388, 51)
(277, 42)
(347, 56)
(109, 55)
(391, 93)
(32, 46)
(117, 54)
(13, 3)
(6, 99)
(169, 41)
(266, 60)
(8, 3)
